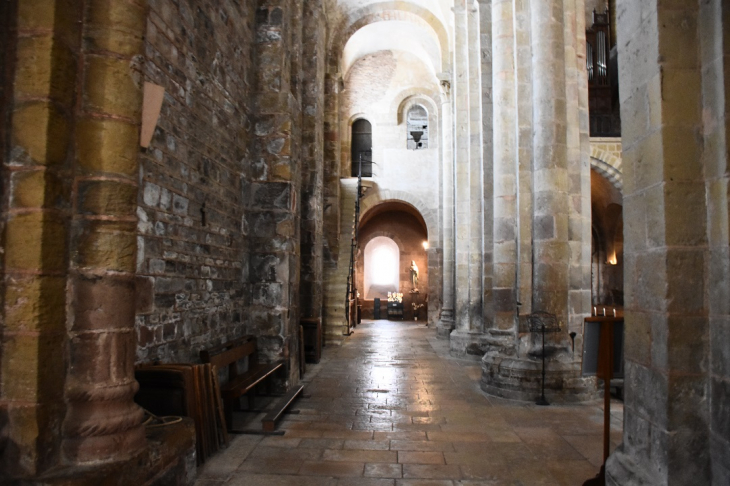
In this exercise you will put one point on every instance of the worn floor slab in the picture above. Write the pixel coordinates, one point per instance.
(390, 407)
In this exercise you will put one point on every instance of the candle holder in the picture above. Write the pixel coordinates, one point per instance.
(543, 322)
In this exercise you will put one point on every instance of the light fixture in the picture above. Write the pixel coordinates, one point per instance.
(425, 245)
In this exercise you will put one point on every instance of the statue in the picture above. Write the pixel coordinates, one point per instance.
(414, 276)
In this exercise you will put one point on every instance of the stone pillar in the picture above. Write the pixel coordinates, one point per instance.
(461, 173)
(68, 339)
(446, 320)
(715, 45)
(37, 125)
(541, 174)
(273, 216)
(476, 176)
(672, 69)
(464, 340)
(579, 176)
(102, 421)
(551, 252)
(311, 289)
(335, 286)
(506, 216)
(487, 154)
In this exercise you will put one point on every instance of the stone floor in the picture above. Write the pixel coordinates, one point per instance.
(390, 407)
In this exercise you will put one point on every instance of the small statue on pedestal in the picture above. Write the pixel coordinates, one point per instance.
(414, 277)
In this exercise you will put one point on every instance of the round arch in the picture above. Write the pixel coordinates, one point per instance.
(374, 198)
(384, 11)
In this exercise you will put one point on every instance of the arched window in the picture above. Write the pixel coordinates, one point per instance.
(382, 263)
(362, 146)
(417, 121)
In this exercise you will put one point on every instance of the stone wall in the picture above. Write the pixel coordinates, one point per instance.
(191, 251)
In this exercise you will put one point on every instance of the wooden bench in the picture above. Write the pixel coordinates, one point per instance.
(241, 383)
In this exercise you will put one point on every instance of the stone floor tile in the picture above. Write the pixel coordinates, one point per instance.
(410, 457)
(373, 445)
(380, 470)
(280, 480)
(403, 435)
(366, 482)
(431, 471)
(321, 443)
(487, 471)
(360, 456)
(423, 482)
(421, 445)
(280, 441)
(267, 466)
(332, 469)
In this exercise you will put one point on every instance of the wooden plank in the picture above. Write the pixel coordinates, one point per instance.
(269, 421)
(211, 408)
(219, 406)
(232, 355)
(247, 381)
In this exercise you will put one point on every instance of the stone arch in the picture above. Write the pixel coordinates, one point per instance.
(375, 197)
(608, 165)
(397, 239)
(383, 11)
(608, 171)
(414, 96)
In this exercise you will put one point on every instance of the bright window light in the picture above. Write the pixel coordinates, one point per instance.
(382, 261)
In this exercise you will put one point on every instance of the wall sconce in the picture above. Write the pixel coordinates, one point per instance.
(425, 245)
(612, 260)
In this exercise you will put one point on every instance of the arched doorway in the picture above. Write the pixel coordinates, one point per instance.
(393, 241)
(607, 272)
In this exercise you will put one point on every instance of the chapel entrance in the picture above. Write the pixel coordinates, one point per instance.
(393, 263)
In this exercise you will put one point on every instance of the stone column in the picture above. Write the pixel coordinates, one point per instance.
(672, 69)
(506, 217)
(462, 220)
(579, 176)
(334, 284)
(464, 340)
(551, 252)
(446, 320)
(102, 421)
(273, 216)
(541, 182)
(476, 176)
(37, 127)
(715, 49)
(311, 289)
(487, 151)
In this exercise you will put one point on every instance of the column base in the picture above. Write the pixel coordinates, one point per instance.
(444, 328)
(622, 470)
(167, 458)
(520, 378)
(467, 344)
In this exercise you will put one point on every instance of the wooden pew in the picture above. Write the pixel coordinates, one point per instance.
(239, 384)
